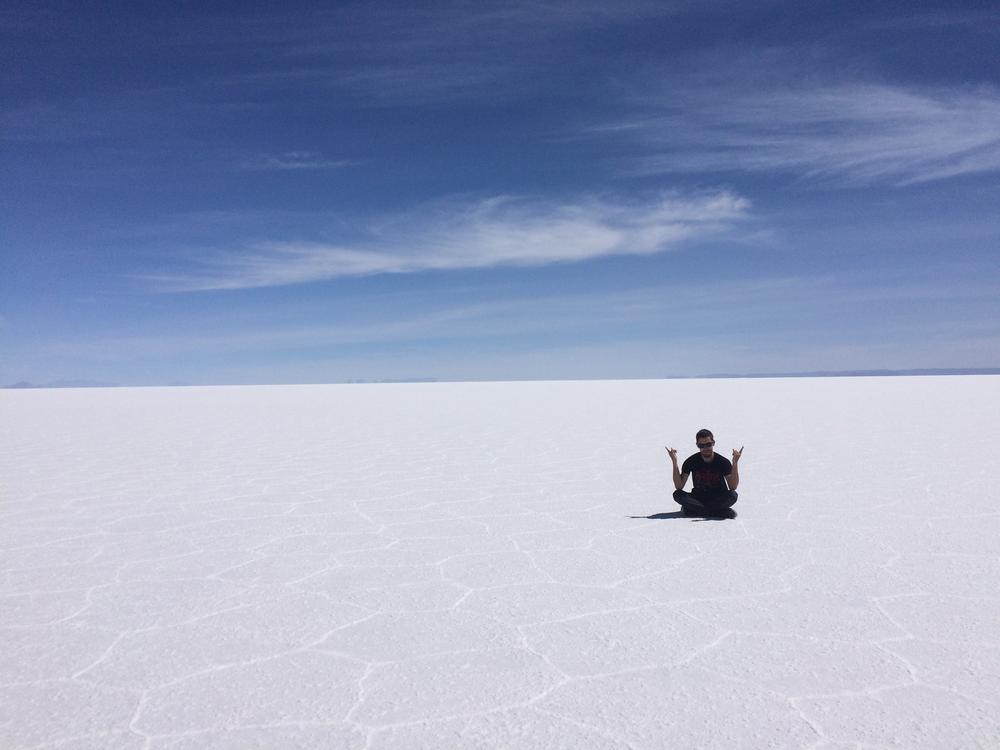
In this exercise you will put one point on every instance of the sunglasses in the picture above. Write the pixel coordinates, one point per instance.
(705, 445)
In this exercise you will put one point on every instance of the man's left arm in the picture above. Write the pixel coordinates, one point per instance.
(733, 480)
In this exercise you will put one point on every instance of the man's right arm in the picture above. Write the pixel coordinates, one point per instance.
(679, 479)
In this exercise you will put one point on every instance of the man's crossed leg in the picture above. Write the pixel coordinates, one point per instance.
(717, 504)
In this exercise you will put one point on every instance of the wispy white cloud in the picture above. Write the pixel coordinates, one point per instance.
(976, 20)
(421, 319)
(296, 160)
(842, 134)
(658, 315)
(422, 53)
(500, 231)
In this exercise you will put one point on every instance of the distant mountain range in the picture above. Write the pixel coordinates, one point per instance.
(815, 374)
(850, 373)
(64, 384)
(24, 384)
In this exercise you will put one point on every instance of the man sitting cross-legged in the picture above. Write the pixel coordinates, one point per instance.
(715, 479)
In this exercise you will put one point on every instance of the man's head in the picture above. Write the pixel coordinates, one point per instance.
(706, 442)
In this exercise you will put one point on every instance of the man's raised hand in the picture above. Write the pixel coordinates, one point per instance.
(672, 452)
(737, 454)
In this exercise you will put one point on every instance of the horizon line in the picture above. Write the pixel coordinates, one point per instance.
(857, 373)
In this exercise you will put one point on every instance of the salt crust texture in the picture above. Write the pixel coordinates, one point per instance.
(499, 565)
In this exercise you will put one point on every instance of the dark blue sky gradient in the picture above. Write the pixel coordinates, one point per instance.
(209, 193)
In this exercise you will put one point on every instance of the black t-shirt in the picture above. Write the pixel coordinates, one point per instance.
(708, 476)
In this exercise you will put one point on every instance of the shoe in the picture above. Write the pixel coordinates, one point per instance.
(724, 513)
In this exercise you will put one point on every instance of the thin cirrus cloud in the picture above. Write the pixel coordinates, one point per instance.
(296, 161)
(425, 53)
(500, 231)
(842, 135)
(479, 321)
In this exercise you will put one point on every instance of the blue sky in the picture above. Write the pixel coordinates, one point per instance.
(496, 190)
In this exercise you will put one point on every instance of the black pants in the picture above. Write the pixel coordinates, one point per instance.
(707, 504)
